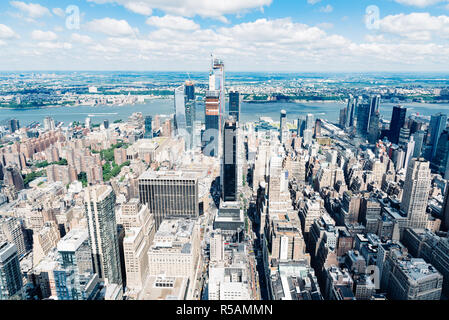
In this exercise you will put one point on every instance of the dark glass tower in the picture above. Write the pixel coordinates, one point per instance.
(229, 165)
(363, 116)
(234, 105)
(211, 136)
(397, 122)
(190, 91)
(148, 127)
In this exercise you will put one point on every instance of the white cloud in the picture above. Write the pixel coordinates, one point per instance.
(6, 32)
(79, 38)
(32, 10)
(327, 9)
(111, 27)
(172, 22)
(43, 35)
(313, 1)
(416, 26)
(59, 12)
(420, 3)
(190, 8)
(55, 45)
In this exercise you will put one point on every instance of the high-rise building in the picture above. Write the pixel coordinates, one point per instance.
(440, 160)
(310, 121)
(169, 194)
(74, 276)
(343, 116)
(49, 123)
(180, 110)
(397, 122)
(10, 275)
(190, 90)
(229, 161)
(437, 125)
(13, 125)
(373, 109)
(350, 111)
(416, 193)
(103, 238)
(418, 137)
(211, 136)
(106, 124)
(148, 127)
(363, 116)
(12, 177)
(234, 105)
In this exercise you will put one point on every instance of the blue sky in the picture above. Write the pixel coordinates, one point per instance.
(250, 35)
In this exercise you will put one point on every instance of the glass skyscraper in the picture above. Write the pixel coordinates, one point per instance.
(103, 238)
(397, 122)
(234, 105)
(229, 161)
(148, 127)
(10, 274)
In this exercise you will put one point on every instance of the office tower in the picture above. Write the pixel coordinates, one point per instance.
(190, 90)
(88, 123)
(12, 231)
(317, 133)
(139, 227)
(218, 79)
(13, 125)
(106, 124)
(180, 110)
(343, 116)
(445, 212)
(74, 276)
(310, 121)
(416, 193)
(301, 126)
(213, 124)
(414, 279)
(437, 125)
(148, 127)
(175, 249)
(374, 108)
(49, 123)
(101, 222)
(351, 111)
(363, 116)
(418, 137)
(397, 122)
(282, 125)
(234, 105)
(190, 123)
(171, 194)
(404, 136)
(410, 147)
(10, 274)
(440, 160)
(12, 177)
(229, 161)
(374, 130)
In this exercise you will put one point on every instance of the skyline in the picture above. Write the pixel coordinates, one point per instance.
(251, 36)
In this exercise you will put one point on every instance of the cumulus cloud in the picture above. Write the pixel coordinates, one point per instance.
(43, 35)
(416, 26)
(420, 3)
(172, 22)
(59, 12)
(6, 32)
(79, 38)
(32, 10)
(111, 27)
(190, 8)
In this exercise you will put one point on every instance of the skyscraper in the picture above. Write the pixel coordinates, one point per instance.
(350, 111)
(363, 117)
(282, 123)
(148, 127)
(397, 122)
(215, 109)
(234, 105)
(10, 274)
(49, 123)
(13, 125)
(74, 276)
(180, 110)
(103, 239)
(416, 193)
(439, 162)
(437, 125)
(169, 194)
(212, 117)
(229, 161)
(310, 121)
(373, 109)
(13, 177)
(190, 90)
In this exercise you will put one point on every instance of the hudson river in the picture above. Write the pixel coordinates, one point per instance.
(249, 111)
